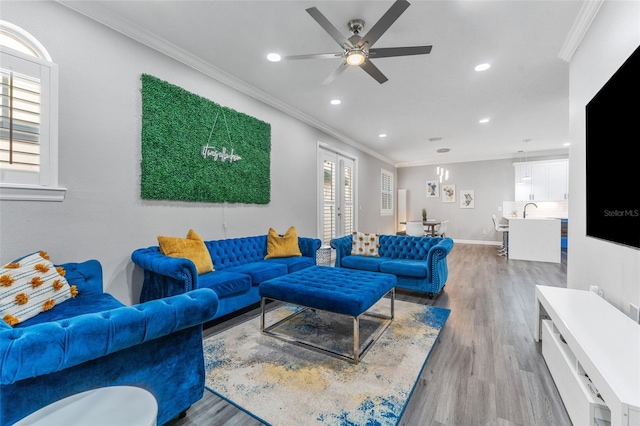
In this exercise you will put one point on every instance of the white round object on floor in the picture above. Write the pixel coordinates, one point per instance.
(108, 406)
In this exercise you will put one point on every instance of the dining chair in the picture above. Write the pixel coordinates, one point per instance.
(442, 229)
(415, 229)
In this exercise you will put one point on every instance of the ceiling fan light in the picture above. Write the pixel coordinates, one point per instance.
(355, 58)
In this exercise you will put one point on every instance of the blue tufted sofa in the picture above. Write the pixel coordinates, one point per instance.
(93, 341)
(239, 268)
(419, 263)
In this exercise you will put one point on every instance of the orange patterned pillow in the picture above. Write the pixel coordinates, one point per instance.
(364, 244)
(30, 286)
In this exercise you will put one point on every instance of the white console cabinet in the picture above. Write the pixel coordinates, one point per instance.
(592, 351)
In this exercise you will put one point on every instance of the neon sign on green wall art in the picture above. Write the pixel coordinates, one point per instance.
(196, 150)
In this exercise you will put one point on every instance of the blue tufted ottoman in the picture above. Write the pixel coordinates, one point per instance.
(338, 290)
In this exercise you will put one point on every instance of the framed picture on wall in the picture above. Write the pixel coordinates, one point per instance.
(433, 188)
(448, 193)
(467, 199)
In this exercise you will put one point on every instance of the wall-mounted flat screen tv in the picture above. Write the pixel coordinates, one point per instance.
(612, 160)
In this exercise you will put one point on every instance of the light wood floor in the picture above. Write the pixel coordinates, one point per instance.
(486, 368)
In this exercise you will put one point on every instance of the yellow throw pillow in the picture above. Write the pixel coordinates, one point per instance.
(191, 248)
(364, 244)
(285, 246)
(30, 286)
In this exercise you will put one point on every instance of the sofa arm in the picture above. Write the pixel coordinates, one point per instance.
(309, 246)
(437, 261)
(49, 347)
(343, 247)
(86, 276)
(164, 276)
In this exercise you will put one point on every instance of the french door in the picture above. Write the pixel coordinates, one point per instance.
(337, 179)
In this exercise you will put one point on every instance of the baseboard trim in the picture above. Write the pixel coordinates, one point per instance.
(478, 242)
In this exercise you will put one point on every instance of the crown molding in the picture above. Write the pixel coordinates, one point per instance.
(561, 153)
(587, 12)
(95, 11)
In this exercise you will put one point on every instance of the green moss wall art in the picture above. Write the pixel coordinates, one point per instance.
(196, 150)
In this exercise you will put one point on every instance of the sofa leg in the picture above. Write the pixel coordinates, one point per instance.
(183, 414)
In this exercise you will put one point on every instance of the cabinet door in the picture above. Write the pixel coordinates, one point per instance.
(558, 181)
(523, 186)
(539, 182)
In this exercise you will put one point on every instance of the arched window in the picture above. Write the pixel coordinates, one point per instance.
(28, 118)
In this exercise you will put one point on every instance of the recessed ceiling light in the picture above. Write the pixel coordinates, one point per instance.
(382, 135)
(566, 144)
(442, 150)
(482, 67)
(435, 139)
(336, 102)
(484, 120)
(274, 57)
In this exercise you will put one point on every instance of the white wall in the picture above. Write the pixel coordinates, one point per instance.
(613, 35)
(493, 183)
(103, 216)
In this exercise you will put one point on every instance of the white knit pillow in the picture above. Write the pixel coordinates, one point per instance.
(364, 244)
(30, 286)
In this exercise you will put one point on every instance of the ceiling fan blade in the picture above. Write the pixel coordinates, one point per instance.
(387, 52)
(336, 73)
(316, 56)
(373, 71)
(328, 27)
(384, 23)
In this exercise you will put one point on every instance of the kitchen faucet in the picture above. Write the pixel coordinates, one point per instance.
(524, 213)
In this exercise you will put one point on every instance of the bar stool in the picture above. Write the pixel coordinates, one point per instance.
(504, 250)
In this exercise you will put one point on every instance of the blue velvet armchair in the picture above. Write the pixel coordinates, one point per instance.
(93, 341)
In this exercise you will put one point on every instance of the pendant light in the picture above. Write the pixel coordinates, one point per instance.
(526, 176)
(442, 172)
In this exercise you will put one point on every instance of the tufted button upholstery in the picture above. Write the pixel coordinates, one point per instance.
(239, 266)
(94, 340)
(419, 263)
(338, 290)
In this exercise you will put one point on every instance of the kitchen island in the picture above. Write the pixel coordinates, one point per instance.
(535, 239)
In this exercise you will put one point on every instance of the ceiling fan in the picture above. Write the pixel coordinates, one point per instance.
(358, 50)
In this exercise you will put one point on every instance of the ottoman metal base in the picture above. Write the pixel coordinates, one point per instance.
(358, 353)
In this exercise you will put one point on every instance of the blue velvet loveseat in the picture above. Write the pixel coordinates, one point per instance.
(419, 263)
(92, 340)
(239, 267)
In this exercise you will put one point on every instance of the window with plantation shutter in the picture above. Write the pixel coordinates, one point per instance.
(386, 193)
(19, 121)
(28, 119)
(328, 201)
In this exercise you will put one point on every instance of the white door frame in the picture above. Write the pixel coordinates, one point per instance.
(322, 151)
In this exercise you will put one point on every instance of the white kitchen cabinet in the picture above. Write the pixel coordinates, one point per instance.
(558, 178)
(547, 180)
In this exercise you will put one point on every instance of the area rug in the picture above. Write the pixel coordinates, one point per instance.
(280, 383)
